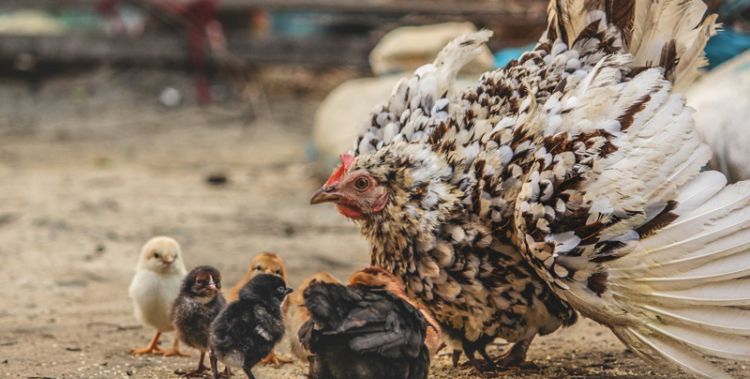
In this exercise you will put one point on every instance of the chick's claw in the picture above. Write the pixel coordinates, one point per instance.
(151, 348)
(147, 350)
(275, 360)
(175, 350)
(174, 353)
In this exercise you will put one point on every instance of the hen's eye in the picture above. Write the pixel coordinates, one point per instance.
(361, 184)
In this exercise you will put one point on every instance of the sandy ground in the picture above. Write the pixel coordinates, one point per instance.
(87, 175)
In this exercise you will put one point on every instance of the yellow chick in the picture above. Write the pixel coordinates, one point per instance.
(155, 286)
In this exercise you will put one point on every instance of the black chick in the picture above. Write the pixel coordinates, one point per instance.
(249, 328)
(363, 332)
(199, 302)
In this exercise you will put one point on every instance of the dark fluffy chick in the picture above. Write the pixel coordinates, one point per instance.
(363, 332)
(249, 328)
(199, 302)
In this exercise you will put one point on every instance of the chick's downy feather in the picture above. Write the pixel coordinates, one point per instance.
(157, 282)
(249, 328)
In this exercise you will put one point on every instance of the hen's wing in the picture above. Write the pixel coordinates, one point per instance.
(614, 211)
(420, 101)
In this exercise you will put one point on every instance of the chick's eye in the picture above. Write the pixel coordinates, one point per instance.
(278, 272)
(361, 184)
(258, 268)
(157, 255)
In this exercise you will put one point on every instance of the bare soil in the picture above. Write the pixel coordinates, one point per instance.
(91, 167)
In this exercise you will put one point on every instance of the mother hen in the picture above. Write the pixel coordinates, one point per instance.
(570, 179)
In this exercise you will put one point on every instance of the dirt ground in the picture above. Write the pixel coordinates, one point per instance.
(91, 167)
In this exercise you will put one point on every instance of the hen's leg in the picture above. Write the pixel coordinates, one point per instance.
(455, 357)
(490, 365)
(469, 349)
(516, 355)
(151, 348)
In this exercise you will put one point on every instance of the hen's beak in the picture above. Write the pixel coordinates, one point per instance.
(325, 195)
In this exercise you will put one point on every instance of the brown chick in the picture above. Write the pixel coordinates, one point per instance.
(296, 314)
(377, 277)
(269, 263)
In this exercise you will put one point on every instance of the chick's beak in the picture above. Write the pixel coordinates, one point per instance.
(325, 195)
(289, 290)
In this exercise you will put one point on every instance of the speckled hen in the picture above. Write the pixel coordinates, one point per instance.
(569, 180)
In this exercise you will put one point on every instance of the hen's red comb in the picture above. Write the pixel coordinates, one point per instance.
(346, 163)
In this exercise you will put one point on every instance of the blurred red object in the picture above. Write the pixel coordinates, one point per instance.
(202, 30)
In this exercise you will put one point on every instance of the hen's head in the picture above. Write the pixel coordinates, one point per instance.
(401, 181)
(357, 192)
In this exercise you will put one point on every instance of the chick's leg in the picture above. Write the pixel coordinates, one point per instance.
(214, 364)
(175, 350)
(198, 372)
(274, 359)
(516, 355)
(247, 366)
(151, 348)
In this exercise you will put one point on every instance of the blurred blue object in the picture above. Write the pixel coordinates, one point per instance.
(508, 54)
(726, 45)
(296, 24)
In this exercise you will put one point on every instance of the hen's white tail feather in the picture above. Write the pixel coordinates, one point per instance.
(719, 319)
(716, 344)
(688, 284)
(672, 351)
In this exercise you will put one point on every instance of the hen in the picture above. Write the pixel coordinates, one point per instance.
(363, 332)
(570, 178)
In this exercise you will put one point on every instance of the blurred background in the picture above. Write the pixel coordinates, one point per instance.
(213, 121)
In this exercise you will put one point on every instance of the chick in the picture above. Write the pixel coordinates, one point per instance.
(363, 332)
(155, 287)
(249, 328)
(377, 277)
(269, 263)
(296, 314)
(198, 304)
